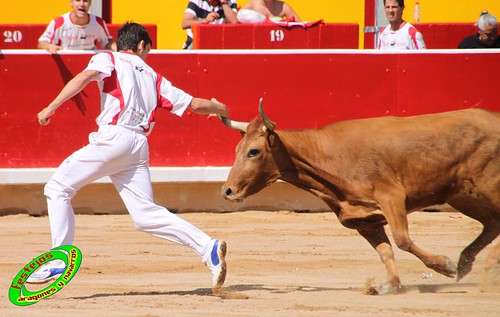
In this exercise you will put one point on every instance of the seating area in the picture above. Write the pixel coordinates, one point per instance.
(317, 35)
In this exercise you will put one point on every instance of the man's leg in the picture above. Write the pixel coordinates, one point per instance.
(135, 188)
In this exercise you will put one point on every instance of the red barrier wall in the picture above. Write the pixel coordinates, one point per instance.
(22, 36)
(445, 35)
(273, 36)
(301, 89)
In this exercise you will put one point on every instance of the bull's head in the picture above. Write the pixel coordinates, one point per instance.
(255, 166)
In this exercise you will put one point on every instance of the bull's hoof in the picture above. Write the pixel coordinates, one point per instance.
(464, 267)
(444, 266)
(384, 289)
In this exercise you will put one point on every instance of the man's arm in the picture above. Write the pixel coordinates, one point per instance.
(190, 19)
(288, 11)
(231, 16)
(111, 45)
(205, 106)
(73, 87)
(51, 48)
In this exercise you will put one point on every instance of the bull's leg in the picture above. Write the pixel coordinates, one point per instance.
(489, 217)
(380, 242)
(395, 213)
(468, 255)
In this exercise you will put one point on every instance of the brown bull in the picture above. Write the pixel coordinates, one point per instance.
(373, 172)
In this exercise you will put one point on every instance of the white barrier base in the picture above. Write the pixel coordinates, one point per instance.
(189, 189)
(158, 174)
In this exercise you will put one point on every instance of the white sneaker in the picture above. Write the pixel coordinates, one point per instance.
(47, 272)
(217, 263)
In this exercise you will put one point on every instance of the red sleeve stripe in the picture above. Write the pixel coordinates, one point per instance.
(58, 22)
(112, 86)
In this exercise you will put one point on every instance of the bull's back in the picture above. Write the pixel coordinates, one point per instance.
(441, 131)
(426, 153)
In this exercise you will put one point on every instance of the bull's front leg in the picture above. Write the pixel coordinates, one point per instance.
(380, 242)
(369, 222)
(393, 207)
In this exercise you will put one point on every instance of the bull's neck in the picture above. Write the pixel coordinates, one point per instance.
(302, 170)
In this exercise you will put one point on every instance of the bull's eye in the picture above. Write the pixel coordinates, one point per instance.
(253, 153)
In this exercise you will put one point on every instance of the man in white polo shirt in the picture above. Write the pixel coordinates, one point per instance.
(399, 34)
(76, 30)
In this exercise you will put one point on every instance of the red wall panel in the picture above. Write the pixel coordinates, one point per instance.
(274, 36)
(301, 89)
(445, 35)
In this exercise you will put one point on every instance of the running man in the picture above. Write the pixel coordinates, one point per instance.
(131, 91)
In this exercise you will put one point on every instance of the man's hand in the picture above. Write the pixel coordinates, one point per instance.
(211, 17)
(44, 116)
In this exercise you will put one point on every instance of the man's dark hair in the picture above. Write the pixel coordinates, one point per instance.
(401, 3)
(129, 36)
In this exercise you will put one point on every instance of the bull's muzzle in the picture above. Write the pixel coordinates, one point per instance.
(229, 194)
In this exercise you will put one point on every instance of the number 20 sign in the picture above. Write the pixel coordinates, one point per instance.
(15, 36)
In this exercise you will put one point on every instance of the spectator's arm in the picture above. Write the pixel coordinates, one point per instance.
(111, 45)
(51, 48)
(190, 19)
(231, 16)
(288, 11)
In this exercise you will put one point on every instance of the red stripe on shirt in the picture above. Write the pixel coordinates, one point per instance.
(111, 86)
(102, 23)
(58, 22)
(162, 102)
(413, 34)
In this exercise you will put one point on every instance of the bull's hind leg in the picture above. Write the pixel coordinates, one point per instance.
(395, 212)
(489, 217)
(380, 242)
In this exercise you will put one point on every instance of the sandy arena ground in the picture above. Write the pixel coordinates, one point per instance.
(280, 264)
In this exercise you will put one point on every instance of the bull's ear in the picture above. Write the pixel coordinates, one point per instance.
(271, 138)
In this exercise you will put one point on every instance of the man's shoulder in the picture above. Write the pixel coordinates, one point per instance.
(470, 42)
(385, 29)
(62, 19)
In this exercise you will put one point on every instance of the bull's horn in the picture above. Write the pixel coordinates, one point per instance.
(267, 123)
(235, 125)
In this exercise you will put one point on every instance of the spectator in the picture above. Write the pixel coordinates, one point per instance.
(76, 30)
(256, 11)
(487, 33)
(131, 93)
(399, 34)
(207, 12)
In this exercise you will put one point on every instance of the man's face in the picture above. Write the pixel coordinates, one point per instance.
(393, 11)
(143, 50)
(81, 7)
(489, 35)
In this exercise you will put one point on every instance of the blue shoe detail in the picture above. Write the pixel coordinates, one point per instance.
(214, 256)
(55, 271)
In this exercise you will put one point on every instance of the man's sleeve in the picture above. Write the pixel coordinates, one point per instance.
(103, 63)
(171, 98)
